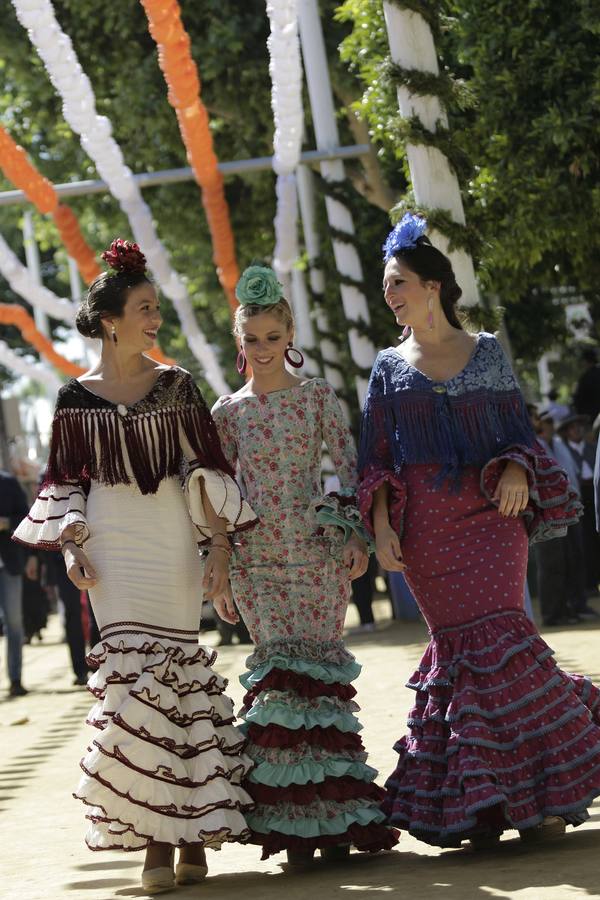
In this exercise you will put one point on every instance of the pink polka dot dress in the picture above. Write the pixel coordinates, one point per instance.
(499, 737)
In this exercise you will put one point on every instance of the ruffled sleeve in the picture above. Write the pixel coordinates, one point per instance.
(338, 509)
(61, 502)
(56, 508)
(552, 505)
(208, 466)
(376, 465)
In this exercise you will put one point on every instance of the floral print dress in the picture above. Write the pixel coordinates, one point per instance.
(311, 783)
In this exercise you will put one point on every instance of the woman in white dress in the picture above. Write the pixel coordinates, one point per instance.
(165, 767)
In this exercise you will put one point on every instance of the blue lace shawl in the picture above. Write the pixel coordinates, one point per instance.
(465, 421)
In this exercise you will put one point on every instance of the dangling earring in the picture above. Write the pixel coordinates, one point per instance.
(430, 313)
(114, 335)
(241, 362)
(406, 331)
(299, 362)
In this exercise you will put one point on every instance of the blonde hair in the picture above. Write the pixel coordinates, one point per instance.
(281, 310)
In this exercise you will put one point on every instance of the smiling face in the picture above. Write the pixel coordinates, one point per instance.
(264, 338)
(137, 327)
(405, 294)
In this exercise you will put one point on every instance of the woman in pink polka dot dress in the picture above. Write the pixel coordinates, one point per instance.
(453, 484)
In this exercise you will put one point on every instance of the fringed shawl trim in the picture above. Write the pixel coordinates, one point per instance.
(94, 439)
(427, 427)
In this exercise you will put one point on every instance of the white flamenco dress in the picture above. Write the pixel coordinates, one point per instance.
(166, 762)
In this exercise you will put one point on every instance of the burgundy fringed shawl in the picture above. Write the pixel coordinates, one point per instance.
(148, 441)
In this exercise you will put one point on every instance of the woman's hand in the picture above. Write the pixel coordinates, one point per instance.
(512, 492)
(225, 607)
(79, 568)
(216, 573)
(356, 557)
(388, 550)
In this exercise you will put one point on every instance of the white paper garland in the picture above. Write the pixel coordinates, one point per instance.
(79, 109)
(22, 366)
(288, 116)
(23, 283)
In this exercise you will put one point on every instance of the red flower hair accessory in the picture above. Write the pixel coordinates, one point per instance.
(123, 256)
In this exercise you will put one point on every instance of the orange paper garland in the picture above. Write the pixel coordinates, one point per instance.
(181, 75)
(20, 171)
(12, 314)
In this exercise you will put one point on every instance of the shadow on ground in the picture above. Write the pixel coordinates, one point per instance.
(453, 875)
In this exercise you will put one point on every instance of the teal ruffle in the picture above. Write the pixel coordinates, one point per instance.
(284, 774)
(350, 524)
(280, 713)
(308, 828)
(330, 673)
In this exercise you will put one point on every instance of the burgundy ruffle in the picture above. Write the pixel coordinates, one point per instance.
(499, 736)
(338, 789)
(552, 506)
(367, 838)
(302, 685)
(327, 738)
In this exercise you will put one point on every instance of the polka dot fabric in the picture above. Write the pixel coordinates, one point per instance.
(499, 737)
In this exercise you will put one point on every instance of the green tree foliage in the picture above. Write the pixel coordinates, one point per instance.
(533, 192)
(119, 56)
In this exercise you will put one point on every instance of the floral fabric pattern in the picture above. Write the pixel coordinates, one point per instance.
(310, 783)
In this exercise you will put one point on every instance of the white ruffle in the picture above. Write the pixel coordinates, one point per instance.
(166, 763)
(57, 507)
(225, 498)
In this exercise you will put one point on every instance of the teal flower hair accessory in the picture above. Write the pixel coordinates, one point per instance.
(258, 286)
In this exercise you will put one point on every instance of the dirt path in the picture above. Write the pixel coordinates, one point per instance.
(42, 854)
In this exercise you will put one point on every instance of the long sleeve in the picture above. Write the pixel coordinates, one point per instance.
(61, 502)
(338, 509)
(376, 464)
(553, 504)
(208, 466)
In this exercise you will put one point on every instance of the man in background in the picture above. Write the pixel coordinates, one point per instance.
(13, 508)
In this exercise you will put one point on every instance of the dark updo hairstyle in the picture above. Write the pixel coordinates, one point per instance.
(107, 294)
(430, 264)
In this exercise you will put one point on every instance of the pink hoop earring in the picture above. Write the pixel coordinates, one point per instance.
(406, 331)
(241, 362)
(299, 359)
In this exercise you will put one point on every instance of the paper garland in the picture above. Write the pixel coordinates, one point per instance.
(11, 314)
(286, 100)
(20, 171)
(35, 370)
(181, 75)
(79, 109)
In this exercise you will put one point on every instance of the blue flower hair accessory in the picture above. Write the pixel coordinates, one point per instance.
(404, 235)
(258, 286)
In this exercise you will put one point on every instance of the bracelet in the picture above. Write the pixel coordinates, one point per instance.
(226, 550)
(64, 544)
(220, 534)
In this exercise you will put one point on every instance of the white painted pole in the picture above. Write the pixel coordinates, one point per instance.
(339, 216)
(306, 196)
(32, 258)
(435, 184)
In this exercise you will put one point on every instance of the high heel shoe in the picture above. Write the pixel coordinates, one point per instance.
(159, 879)
(337, 853)
(189, 873)
(549, 829)
(300, 859)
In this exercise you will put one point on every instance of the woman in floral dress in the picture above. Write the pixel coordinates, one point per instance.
(453, 482)
(291, 583)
